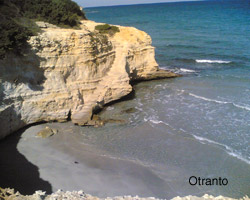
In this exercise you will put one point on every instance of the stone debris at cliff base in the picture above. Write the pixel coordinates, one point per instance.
(46, 132)
(7, 194)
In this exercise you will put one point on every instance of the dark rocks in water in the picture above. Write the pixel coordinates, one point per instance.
(129, 110)
(82, 117)
(115, 121)
(96, 121)
(47, 132)
(161, 74)
(96, 118)
(155, 75)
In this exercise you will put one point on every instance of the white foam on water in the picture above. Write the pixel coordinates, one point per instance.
(94, 11)
(139, 103)
(138, 108)
(187, 70)
(220, 102)
(159, 85)
(243, 107)
(153, 120)
(229, 150)
(110, 108)
(239, 157)
(181, 92)
(156, 121)
(183, 130)
(203, 140)
(207, 99)
(213, 61)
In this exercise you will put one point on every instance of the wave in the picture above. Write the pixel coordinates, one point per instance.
(229, 150)
(94, 11)
(213, 61)
(154, 121)
(181, 70)
(220, 102)
(138, 108)
(157, 121)
(183, 46)
(190, 60)
(110, 108)
(203, 140)
(187, 70)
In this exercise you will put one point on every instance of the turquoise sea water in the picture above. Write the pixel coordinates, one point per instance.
(209, 43)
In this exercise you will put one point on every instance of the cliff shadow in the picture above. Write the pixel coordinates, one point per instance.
(16, 171)
(128, 97)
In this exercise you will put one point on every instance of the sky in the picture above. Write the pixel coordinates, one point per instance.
(95, 3)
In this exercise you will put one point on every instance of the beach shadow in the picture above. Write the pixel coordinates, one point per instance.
(16, 171)
(18, 73)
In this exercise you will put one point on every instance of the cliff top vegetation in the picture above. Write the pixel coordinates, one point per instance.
(107, 29)
(17, 20)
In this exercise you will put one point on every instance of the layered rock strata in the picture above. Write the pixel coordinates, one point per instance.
(67, 74)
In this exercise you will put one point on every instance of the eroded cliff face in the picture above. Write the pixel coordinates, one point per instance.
(68, 73)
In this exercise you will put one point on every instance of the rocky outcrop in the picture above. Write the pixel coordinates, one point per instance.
(6, 194)
(67, 74)
(46, 132)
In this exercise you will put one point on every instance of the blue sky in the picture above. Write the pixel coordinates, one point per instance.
(94, 3)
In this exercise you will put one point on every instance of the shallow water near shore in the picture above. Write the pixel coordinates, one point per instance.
(208, 42)
(136, 158)
(144, 156)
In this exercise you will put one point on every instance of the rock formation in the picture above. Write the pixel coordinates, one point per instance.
(67, 74)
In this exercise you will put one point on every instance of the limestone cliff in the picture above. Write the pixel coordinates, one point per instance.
(68, 73)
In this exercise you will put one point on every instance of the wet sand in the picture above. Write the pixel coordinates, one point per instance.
(141, 160)
(70, 165)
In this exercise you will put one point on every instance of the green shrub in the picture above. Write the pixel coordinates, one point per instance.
(107, 29)
(17, 20)
(13, 37)
(58, 12)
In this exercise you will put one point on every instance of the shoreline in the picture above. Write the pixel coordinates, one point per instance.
(68, 162)
(159, 75)
(66, 148)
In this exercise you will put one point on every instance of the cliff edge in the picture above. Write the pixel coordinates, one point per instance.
(67, 74)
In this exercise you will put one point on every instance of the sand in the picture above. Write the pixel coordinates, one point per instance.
(66, 161)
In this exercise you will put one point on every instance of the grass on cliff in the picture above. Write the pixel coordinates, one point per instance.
(107, 29)
(17, 20)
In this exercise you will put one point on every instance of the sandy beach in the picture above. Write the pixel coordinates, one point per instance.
(66, 161)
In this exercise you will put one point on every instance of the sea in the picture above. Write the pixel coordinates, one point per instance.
(208, 42)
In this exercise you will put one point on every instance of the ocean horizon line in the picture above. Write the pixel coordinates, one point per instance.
(137, 4)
